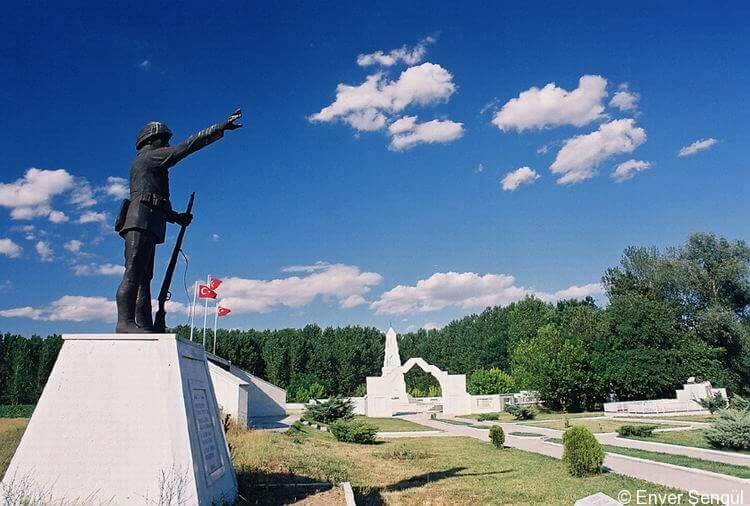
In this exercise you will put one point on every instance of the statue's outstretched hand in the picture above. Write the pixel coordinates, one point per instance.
(230, 123)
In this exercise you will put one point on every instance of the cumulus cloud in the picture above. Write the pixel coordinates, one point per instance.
(514, 179)
(92, 217)
(77, 308)
(82, 195)
(467, 290)
(580, 155)
(30, 196)
(74, 245)
(317, 266)
(699, 145)
(366, 106)
(98, 270)
(553, 106)
(117, 188)
(407, 55)
(624, 99)
(347, 284)
(10, 248)
(44, 250)
(407, 133)
(627, 170)
(58, 217)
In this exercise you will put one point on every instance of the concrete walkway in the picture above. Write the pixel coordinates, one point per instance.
(702, 482)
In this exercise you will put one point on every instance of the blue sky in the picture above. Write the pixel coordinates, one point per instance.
(381, 203)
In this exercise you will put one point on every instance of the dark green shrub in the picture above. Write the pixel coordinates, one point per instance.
(520, 412)
(731, 429)
(488, 416)
(16, 410)
(497, 436)
(330, 410)
(582, 453)
(740, 403)
(636, 430)
(353, 431)
(714, 402)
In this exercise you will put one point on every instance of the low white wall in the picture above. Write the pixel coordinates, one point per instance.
(264, 398)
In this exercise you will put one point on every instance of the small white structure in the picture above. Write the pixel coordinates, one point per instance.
(685, 403)
(244, 396)
(386, 394)
(125, 419)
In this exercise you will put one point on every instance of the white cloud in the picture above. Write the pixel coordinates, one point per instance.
(365, 107)
(407, 133)
(573, 292)
(57, 217)
(514, 179)
(699, 145)
(145, 65)
(82, 195)
(117, 188)
(407, 55)
(432, 326)
(30, 196)
(580, 155)
(479, 169)
(554, 106)
(77, 308)
(92, 217)
(624, 99)
(627, 170)
(344, 283)
(44, 250)
(74, 245)
(10, 248)
(466, 290)
(98, 270)
(317, 266)
(215, 237)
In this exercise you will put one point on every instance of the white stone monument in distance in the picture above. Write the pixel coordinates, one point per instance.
(126, 419)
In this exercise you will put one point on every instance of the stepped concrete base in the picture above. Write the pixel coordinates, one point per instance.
(125, 419)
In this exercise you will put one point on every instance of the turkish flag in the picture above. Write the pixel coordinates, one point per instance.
(214, 283)
(205, 292)
(223, 311)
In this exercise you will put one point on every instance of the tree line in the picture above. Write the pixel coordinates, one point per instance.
(670, 315)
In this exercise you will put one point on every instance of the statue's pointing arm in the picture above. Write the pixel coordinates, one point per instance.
(203, 138)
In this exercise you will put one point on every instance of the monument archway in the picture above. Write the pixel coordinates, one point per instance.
(386, 394)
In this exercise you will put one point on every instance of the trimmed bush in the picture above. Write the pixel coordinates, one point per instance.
(330, 410)
(636, 430)
(353, 431)
(713, 403)
(497, 436)
(521, 412)
(740, 403)
(731, 429)
(488, 416)
(16, 410)
(582, 453)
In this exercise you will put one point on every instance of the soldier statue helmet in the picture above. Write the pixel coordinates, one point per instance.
(143, 218)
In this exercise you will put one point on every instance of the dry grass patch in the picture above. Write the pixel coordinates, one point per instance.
(11, 430)
(412, 471)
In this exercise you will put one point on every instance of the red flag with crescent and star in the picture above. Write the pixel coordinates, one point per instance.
(214, 283)
(223, 311)
(205, 292)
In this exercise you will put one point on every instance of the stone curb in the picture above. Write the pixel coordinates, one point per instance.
(348, 494)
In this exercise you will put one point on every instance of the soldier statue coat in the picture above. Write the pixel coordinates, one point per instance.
(143, 218)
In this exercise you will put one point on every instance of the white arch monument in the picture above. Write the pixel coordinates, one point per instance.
(386, 394)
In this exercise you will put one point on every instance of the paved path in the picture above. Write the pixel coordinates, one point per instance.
(703, 482)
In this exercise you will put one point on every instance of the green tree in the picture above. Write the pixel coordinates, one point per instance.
(490, 381)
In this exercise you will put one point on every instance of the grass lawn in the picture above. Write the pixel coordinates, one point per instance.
(11, 430)
(505, 417)
(525, 434)
(393, 424)
(677, 460)
(452, 470)
(685, 438)
(596, 426)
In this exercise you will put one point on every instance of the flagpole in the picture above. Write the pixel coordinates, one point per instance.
(192, 309)
(216, 319)
(205, 313)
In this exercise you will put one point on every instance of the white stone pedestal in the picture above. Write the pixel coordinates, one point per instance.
(125, 419)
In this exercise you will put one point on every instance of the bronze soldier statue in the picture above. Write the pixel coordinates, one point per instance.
(143, 218)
